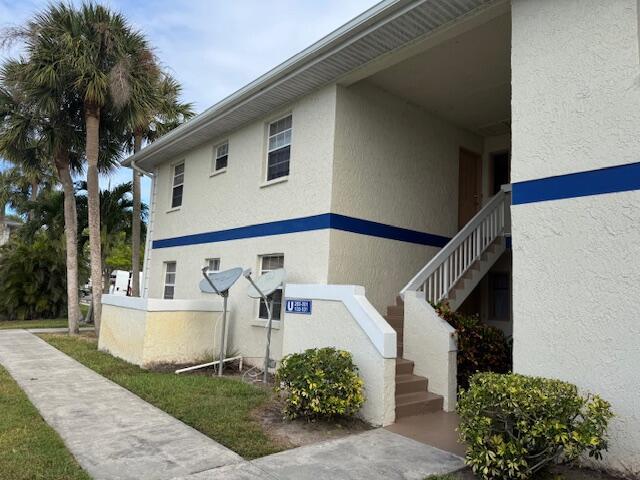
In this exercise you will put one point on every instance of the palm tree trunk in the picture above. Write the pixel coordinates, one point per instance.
(106, 279)
(92, 124)
(135, 225)
(71, 235)
(3, 209)
(33, 196)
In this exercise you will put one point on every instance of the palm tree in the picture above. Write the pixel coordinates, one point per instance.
(116, 210)
(167, 113)
(32, 128)
(104, 63)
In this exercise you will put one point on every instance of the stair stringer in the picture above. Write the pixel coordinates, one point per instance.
(470, 280)
(431, 343)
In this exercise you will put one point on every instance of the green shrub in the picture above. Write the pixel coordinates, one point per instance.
(33, 279)
(320, 383)
(481, 347)
(515, 425)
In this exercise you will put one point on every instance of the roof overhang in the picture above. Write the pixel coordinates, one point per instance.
(385, 28)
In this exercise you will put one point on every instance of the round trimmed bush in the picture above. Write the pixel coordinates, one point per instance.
(515, 425)
(320, 383)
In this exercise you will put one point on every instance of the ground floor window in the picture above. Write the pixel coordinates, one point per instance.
(213, 264)
(268, 263)
(169, 279)
(499, 296)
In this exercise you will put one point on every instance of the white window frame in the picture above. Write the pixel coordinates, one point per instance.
(208, 262)
(174, 185)
(216, 156)
(261, 270)
(282, 178)
(168, 284)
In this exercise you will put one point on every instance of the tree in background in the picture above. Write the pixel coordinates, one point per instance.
(166, 112)
(97, 58)
(49, 138)
(32, 278)
(116, 214)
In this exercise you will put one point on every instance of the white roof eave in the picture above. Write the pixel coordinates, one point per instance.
(383, 28)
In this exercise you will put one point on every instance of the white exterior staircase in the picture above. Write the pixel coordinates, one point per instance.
(456, 270)
(426, 347)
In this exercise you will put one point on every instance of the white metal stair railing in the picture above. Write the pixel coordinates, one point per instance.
(442, 272)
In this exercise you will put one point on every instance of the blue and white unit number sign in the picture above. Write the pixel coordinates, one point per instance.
(294, 305)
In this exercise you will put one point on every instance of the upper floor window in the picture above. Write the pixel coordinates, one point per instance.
(178, 185)
(221, 157)
(268, 263)
(279, 148)
(213, 264)
(169, 280)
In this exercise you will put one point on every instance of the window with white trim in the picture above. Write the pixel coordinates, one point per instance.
(177, 185)
(279, 148)
(213, 265)
(268, 263)
(169, 280)
(220, 157)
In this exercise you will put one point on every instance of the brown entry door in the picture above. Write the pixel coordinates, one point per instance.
(469, 186)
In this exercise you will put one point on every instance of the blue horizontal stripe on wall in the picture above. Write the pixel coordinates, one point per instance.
(307, 224)
(621, 178)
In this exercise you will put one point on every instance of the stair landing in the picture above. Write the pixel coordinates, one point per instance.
(412, 394)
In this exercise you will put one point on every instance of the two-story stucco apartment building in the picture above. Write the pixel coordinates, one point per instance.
(483, 152)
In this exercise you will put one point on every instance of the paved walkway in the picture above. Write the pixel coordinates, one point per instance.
(112, 433)
(116, 435)
(376, 454)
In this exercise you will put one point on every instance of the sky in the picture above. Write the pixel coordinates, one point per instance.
(215, 47)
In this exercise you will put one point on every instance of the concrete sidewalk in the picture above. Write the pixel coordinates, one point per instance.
(377, 454)
(113, 434)
(116, 435)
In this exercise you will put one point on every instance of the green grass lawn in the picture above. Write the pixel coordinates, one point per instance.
(29, 448)
(40, 323)
(219, 408)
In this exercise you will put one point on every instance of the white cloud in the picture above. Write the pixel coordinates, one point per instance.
(215, 47)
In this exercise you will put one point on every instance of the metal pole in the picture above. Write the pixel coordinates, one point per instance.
(267, 353)
(222, 336)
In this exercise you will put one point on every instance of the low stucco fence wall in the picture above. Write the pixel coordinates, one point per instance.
(343, 318)
(147, 331)
(432, 344)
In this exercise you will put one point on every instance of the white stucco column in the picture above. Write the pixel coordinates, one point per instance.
(576, 238)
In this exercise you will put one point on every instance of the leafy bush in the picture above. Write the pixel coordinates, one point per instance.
(320, 383)
(481, 347)
(32, 279)
(515, 425)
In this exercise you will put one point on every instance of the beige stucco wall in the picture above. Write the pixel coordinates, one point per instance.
(332, 325)
(306, 256)
(145, 338)
(394, 163)
(237, 197)
(122, 333)
(576, 282)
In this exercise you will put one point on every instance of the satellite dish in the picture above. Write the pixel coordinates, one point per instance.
(221, 281)
(266, 284)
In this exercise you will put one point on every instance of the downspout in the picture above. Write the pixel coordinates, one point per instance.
(147, 248)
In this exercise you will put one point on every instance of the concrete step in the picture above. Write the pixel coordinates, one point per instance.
(399, 301)
(395, 310)
(404, 366)
(399, 350)
(410, 384)
(408, 404)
